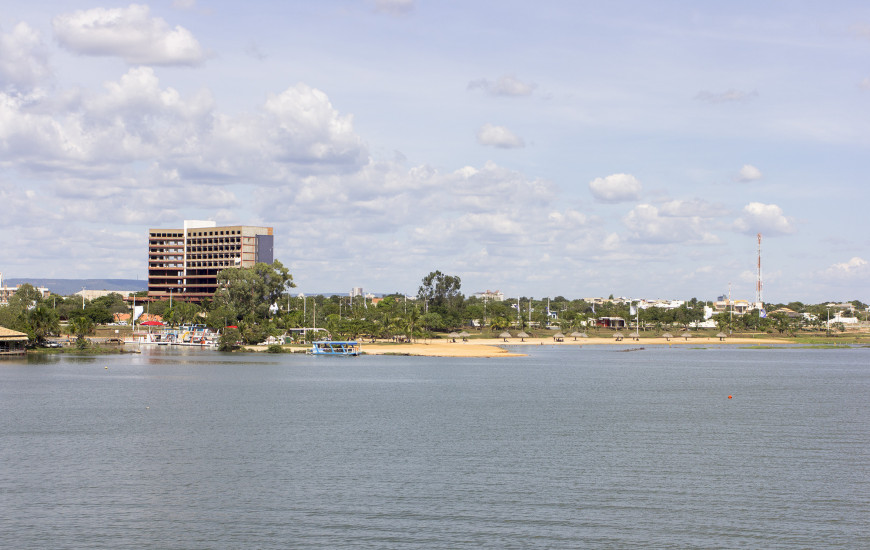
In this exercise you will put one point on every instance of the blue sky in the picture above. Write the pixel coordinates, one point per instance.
(543, 149)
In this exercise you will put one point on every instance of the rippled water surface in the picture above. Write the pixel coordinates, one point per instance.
(566, 448)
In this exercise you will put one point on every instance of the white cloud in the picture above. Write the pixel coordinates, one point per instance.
(728, 96)
(647, 225)
(134, 119)
(749, 173)
(689, 208)
(854, 268)
(23, 58)
(506, 85)
(499, 136)
(307, 128)
(615, 188)
(764, 218)
(295, 133)
(129, 33)
(394, 7)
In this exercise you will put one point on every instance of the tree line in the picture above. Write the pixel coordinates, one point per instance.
(258, 302)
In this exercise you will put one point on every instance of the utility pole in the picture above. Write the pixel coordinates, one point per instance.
(730, 303)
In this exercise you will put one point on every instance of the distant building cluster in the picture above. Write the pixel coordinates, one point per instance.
(6, 292)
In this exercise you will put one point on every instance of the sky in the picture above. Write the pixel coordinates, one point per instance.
(547, 148)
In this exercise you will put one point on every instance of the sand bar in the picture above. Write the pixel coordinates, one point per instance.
(496, 347)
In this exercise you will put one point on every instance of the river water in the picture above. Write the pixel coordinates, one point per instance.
(566, 448)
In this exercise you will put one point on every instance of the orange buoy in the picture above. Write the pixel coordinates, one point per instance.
(729, 397)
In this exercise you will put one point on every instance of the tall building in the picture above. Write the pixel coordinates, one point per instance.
(184, 263)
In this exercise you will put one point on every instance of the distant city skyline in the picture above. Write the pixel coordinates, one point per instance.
(559, 148)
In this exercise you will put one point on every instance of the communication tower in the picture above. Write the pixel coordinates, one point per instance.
(758, 284)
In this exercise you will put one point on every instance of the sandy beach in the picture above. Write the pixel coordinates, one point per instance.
(496, 347)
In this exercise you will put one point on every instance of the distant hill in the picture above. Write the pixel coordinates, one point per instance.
(66, 287)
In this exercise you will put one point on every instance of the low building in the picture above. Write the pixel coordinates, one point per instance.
(12, 342)
(838, 318)
(610, 322)
(738, 307)
(94, 294)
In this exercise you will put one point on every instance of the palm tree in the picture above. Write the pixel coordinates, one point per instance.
(81, 327)
(499, 323)
(43, 321)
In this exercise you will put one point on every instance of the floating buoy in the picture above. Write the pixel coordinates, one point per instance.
(729, 397)
(107, 368)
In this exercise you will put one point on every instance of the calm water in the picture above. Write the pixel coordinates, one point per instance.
(566, 448)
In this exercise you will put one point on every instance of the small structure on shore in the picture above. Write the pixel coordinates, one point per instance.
(721, 336)
(618, 336)
(522, 336)
(12, 342)
(686, 335)
(577, 334)
(635, 335)
(559, 337)
(667, 336)
(453, 336)
(505, 335)
(464, 335)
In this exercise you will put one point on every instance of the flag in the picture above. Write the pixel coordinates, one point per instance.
(632, 310)
(762, 313)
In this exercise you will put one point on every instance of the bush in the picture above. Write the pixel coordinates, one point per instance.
(229, 339)
(275, 348)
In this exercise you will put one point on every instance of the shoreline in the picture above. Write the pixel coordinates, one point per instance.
(496, 347)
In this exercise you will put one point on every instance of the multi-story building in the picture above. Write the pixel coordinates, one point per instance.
(184, 263)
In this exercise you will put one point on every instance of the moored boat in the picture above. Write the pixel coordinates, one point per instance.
(336, 347)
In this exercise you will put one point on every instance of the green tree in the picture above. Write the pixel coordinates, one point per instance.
(81, 327)
(25, 297)
(499, 323)
(229, 340)
(252, 290)
(42, 321)
(184, 313)
(440, 290)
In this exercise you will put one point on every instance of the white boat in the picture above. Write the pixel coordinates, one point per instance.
(195, 336)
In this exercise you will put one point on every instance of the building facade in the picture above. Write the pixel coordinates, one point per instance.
(183, 264)
(490, 295)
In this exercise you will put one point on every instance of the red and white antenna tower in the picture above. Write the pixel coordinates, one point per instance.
(758, 284)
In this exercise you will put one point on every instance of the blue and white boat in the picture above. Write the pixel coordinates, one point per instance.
(336, 347)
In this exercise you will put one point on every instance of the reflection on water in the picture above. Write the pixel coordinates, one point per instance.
(568, 447)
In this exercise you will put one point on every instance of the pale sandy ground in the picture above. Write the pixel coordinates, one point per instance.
(493, 347)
